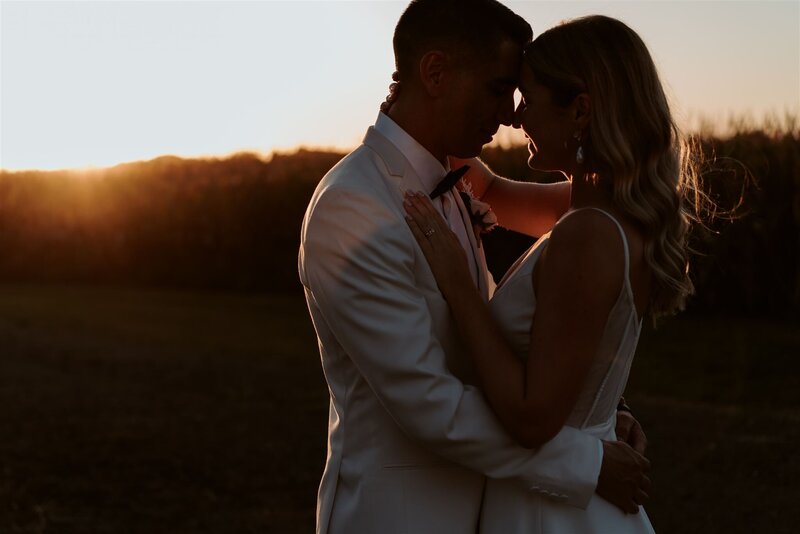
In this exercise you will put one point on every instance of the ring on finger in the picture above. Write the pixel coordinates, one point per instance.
(428, 232)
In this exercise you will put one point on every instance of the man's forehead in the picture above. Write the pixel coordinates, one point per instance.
(505, 64)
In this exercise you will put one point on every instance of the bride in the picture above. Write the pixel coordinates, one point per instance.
(554, 345)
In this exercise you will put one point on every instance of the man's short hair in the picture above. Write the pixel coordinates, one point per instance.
(472, 29)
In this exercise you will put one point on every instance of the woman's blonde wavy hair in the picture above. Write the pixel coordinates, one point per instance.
(631, 141)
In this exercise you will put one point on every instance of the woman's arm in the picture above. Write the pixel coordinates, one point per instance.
(526, 207)
(579, 277)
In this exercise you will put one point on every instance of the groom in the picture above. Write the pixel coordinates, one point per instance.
(410, 440)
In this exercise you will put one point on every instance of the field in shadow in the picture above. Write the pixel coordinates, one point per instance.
(126, 410)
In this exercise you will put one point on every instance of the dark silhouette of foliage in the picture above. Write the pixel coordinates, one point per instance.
(234, 223)
(749, 262)
(219, 223)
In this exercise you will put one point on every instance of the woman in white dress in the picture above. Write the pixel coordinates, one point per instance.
(555, 344)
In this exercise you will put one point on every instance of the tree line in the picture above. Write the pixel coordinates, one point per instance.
(233, 223)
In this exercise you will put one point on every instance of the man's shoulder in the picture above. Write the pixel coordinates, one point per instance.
(358, 168)
(361, 174)
(357, 208)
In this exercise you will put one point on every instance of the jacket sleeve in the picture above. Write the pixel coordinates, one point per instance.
(357, 259)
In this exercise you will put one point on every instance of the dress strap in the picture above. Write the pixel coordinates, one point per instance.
(621, 233)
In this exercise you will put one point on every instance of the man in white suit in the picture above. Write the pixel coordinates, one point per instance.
(409, 439)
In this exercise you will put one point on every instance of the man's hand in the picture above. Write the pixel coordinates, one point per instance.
(630, 431)
(623, 481)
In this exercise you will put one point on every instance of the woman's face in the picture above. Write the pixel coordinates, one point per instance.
(549, 128)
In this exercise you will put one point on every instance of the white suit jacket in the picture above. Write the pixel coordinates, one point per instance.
(409, 439)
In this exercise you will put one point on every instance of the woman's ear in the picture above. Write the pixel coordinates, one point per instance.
(582, 111)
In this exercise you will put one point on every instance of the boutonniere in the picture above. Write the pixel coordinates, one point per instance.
(481, 215)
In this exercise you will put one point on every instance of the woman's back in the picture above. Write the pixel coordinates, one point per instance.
(514, 305)
(510, 508)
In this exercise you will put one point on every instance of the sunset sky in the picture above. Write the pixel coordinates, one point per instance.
(98, 83)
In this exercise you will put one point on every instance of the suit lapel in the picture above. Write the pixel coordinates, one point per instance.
(402, 174)
(404, 178)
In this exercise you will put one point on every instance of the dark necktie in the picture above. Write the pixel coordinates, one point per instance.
(449, 181)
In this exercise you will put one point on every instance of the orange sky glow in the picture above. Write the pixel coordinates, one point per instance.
(97, 83)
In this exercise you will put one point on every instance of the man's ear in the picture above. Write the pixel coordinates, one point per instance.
(433, 68)
(582, 111)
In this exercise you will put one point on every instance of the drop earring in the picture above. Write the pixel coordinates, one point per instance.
(579, 153)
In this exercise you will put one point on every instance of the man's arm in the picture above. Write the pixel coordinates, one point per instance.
(358, 257)
(533, 399)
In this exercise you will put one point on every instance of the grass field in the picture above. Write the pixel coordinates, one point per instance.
(149, 411)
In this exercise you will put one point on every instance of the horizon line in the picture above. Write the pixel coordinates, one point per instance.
(772, 125)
